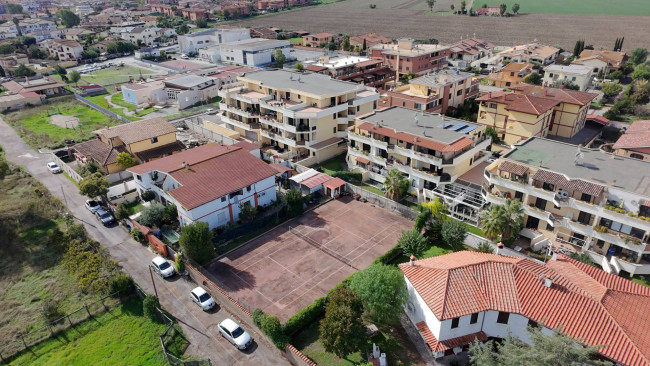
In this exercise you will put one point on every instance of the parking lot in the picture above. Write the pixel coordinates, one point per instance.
(290, 266)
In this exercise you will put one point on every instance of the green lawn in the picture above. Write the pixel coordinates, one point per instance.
(134, 207)
(598, 7)
(295, 40)
(102, 102)
(118, 98)
(116, 75)
(121, 336)
(33, 124)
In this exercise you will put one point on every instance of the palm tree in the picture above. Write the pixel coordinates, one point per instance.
(17, 23)
(492, 221)
(514, 214)
(395, 185)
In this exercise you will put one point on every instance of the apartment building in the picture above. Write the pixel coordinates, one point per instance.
(195, 13)
(531, 110)
(406, 56)
(370, 39)
(635, 142)
(65, 50)
(141, 36)
(431, 150)
(293, 115)
(558, 75)
(193, 42)
(510, 75)
(360, 70)
(436, 91)
(468, 51)
(459, 298)
(601, 60)
(315, 40)
(543, 54)
(183, 91)
(581, 200)
(209, 183)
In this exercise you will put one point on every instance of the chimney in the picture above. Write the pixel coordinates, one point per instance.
(412, 261)
(499, 248)
(548, 282)
(184, 165)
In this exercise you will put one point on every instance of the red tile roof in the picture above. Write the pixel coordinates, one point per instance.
(138, 130)
(334, 183)
(316, 180)
(589, 304)
(441, 346)
(514, 168)
(457, 145)
(521, 103)
(636, 136)
(559, 94)
(214, 170)
(599, 119)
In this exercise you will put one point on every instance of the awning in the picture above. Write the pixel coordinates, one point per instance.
(363, 160)
(550, 177)
(298, 178)
(513, 168)
(441, 346)
(316, 180)
(280, 169)
(334, 183)
(586, 187)
(645, 203)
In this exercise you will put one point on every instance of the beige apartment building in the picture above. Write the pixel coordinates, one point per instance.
(302, 117)
(580, 200)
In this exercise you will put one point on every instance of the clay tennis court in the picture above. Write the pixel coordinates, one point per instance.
(290, 266)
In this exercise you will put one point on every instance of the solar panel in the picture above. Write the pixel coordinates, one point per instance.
(446, 125)
(468, 129)
(458, 127)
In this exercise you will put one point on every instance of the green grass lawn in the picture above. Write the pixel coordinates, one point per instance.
(295, 40)
(118, 98)
(102, 102)
(33, 124)
(598, 7)
(134, 207)
(121, 336)
(115, 75)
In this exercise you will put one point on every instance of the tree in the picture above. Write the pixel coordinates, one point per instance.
(35, 52)
(515, 8)
(201, 22)
(150, 307)
(431, 3)
(331, 46)
(59, 70)
(226, 14)
(279, 58)
(125, 160)
(90, 54)
(534, 78)
(382, 291)
(179, 265)
(94, 185)
(121, 212)
(485, 247)
(638, 56)
(577, 49)
(299, 66)
(345, 43)
(16, 22)
(137, 235)
(452, 7)
(74, 76)
(492, 133)
(6, 49)
(395, 185)
(272, 327)
(641, 72)
(502, 9)
(68, 18)
(152, 216)
(454, 233)
(430, 211)
(23, 70)
(412, 243)
(341, 330)
(2, 72)
(294, 203)
(557, 349)
(4, 168)
(492, 221)
(364, 44)
(27, 41)
(611, 89)
(196, 242)
(14, 8)
(247, 212)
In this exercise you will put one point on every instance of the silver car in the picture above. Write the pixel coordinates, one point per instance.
(53, 168)
(202, 298)
(235, 334)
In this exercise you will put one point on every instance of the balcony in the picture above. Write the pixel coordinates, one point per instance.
(244, 125)
(238, 111)
(374, 159)
(289, 141)
(539, 213)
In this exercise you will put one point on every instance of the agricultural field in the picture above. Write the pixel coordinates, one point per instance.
(582, 7)
(411, 18)
(50, 125)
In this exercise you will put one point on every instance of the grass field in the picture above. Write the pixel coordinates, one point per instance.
(33, 124)
(102, 102)
(116, 75)
(590, 7)
(121, 336)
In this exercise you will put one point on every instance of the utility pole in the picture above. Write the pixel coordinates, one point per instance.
(154, 283)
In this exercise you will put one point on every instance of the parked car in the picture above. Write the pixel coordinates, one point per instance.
(162, 267)
(92, 205)
(53, 168)
(185, 57)
(235, 334)
(104, 217)
(202, 298)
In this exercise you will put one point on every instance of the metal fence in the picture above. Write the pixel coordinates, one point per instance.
(52, 328)
(101, 109)
(193, 124)
(67, 168)
(382, 202)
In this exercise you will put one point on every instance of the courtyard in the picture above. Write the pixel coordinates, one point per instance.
(289, 267)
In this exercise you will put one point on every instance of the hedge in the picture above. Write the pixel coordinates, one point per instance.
(388, 257)
(305, 316)
(271, 326)
(348, 176)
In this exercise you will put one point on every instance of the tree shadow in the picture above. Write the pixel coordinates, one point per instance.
(230, 278)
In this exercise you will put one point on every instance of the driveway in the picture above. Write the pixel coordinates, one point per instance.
(200, 328)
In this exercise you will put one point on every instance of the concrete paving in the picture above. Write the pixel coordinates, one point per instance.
(199, 327)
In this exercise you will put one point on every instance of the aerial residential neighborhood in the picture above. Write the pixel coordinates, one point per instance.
(319, 182)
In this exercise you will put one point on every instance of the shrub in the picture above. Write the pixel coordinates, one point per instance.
(137, 235)
(258, 316)
(171, 214)
(149, 306)
(153, 215)
(179, 265)
(388, 257)
(51, 310)
(121, 212)
(122, 283)
(485, 247)
(272, 327)
(147, 196)
(294, 203)
(305, 316)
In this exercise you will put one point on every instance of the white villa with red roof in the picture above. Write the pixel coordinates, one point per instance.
(208, 183)
(457, 298)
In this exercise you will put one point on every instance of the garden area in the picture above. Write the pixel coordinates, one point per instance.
(629, 90)
(61, 121)
(116, 75)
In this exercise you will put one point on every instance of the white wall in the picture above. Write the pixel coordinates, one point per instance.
(259, 58)
(194, 42)
(420, 311)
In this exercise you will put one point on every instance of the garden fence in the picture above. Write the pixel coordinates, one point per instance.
(101, 109)
(67, 168)
(382, 202)
(51, 329)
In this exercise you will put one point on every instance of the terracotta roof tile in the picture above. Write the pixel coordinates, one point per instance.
(458, 145)
(139, 130)
(514, 168)
(560, 95)
(98, 151)
(441, 346)
(521, 103)
(636, 136)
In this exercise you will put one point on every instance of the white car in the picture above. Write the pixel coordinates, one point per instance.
(185, 57)
(92, 205)
(53, 168)
(202, 298)
(235, 334)
(162, 267)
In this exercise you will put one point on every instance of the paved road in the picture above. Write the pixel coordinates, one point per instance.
(200, 328)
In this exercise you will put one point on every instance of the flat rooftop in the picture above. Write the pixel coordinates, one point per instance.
(632, 175)
(342, 61)
(255, 44)
(316, 84)
(569, 69)
(431, 126)
(442, 78)
(418, 49)
(188, 81)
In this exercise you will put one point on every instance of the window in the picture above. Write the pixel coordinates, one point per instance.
(223, 199)
(503, 317)
(248, 189)
(154, 140)
(138, 178)
(474, 318)
(532, 323)
(334, 130)
(493, 105)
(459, 93)
(454, 323)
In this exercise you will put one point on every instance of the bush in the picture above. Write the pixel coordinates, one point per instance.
(137, 235)
(147, 196)
(179, 265)
(153, 215)
(304, 317)
(485, 247)
(171, 214)
(272, 327)
(51, 310)
(121, 212)
(294, 203)
(388, 257)
(122, 283)
(149, 306)
(258, 316)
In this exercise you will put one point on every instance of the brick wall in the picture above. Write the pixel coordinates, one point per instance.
(157, 244)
